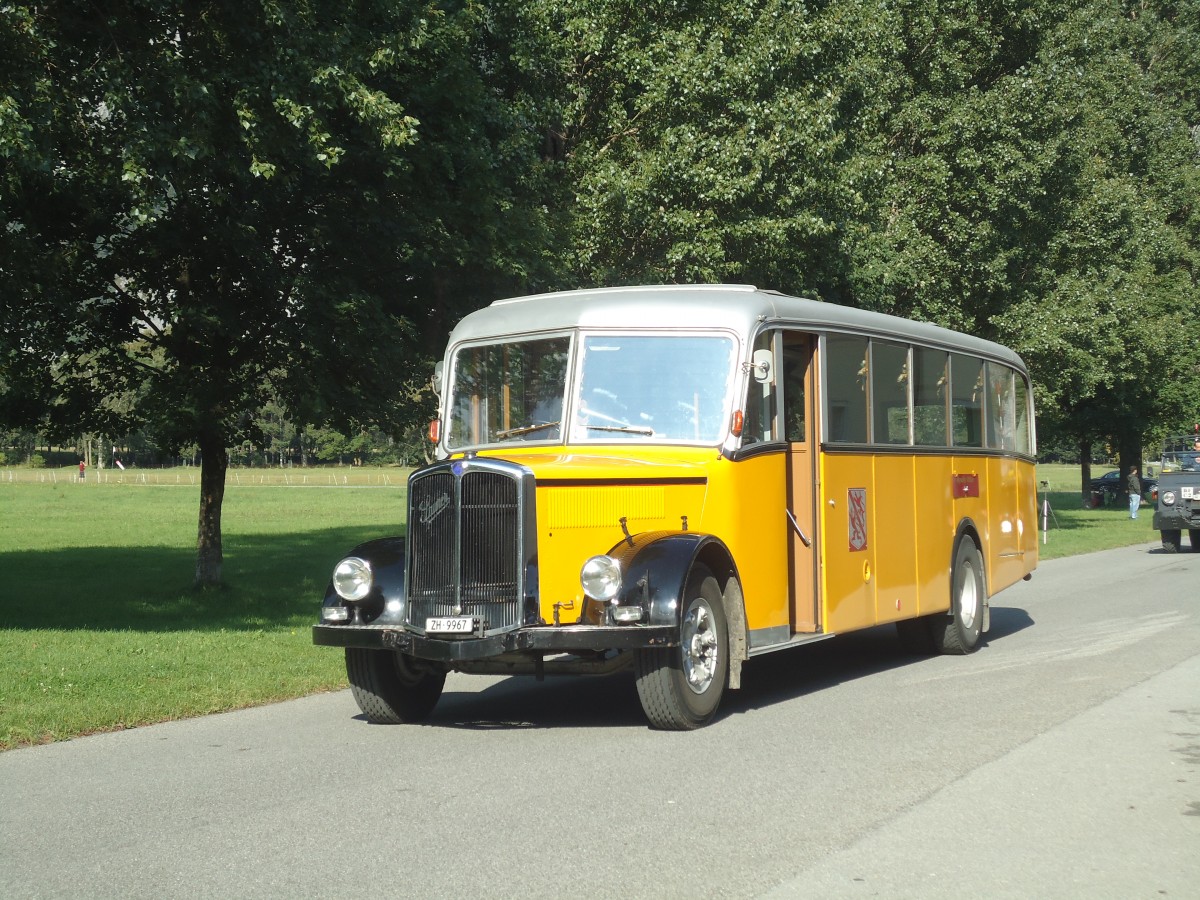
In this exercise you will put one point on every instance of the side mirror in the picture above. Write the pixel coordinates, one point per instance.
(436, 381)
(761, 367)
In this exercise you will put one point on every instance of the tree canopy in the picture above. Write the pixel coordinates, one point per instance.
(210, 207)
(207, 206)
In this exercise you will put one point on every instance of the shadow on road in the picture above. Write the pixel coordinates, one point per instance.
(610, 701)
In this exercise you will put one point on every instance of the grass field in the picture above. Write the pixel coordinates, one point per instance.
(1073, 529)
(100, 629)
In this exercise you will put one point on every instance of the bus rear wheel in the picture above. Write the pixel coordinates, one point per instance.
(391, 688)
(681, 687)
(959, 632)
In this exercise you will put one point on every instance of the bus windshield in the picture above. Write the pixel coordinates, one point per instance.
(629, 387)
(653, 387)
(508, 392)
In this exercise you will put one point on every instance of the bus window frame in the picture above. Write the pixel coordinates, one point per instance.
(1023, 443)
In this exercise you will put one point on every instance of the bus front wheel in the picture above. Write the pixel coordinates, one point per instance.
(391, 688)
(681, 687)
(1170, 540)
(959, 632)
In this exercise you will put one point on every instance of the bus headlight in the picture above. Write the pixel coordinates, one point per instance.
(1168, 498)
(600, 577)
(352, 578)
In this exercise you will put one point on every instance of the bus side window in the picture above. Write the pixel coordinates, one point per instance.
(889, 392)
(795, 368)
(760, 401)
(930, 397)
(847, 376)
(966, 384)
(1024, 438)
(1001, 408)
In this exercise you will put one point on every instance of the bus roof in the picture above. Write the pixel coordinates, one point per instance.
(736, 307)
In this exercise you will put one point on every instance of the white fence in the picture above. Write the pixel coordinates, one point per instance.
(350, 477)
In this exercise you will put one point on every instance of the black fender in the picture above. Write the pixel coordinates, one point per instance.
(388, 598)
(655, 568)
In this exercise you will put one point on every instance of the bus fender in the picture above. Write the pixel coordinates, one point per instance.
(967, 531)
(655, 567)
(388, 597)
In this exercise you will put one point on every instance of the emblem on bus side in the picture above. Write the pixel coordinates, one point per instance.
(856, 500)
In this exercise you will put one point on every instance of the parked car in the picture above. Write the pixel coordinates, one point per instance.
(1110, 484)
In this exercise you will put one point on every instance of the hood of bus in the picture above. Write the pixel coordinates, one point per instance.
(636, 464)
(586, 499)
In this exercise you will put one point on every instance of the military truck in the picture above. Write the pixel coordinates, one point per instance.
(1179, 492)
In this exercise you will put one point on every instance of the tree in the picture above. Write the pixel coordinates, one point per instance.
(711, 141)
(207, 205)
(1039, 190)
(1105, 335)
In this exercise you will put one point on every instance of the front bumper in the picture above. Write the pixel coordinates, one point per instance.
(1177, 519)
(545, 638)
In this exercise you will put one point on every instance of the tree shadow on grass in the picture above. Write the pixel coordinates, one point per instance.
(271, 581)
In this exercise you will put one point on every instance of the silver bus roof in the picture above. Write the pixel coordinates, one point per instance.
(736, 307)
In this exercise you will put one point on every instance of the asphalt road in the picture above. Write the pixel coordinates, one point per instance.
(1060, 760)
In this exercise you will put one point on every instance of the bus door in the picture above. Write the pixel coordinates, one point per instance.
(800, 431)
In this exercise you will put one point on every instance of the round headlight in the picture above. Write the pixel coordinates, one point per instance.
(601, 577)
(1168, 498)
(352, 578)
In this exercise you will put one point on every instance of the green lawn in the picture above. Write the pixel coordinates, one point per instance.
(1074, 528)
(100, 629)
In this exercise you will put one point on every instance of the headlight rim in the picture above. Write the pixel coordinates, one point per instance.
(605, 574)
(1167, 497)
(366, 579)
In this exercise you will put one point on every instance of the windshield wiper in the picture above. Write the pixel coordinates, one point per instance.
(624, 429)
(526, 429)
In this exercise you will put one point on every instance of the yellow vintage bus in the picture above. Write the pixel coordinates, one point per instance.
(679, 478)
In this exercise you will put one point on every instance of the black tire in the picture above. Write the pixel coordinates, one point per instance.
(959, 632)
(1194, 537)
(681, 687)
(916, 635)
(391, 688)
(1171, 540)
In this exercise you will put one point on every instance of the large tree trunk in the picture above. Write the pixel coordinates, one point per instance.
(214, 462)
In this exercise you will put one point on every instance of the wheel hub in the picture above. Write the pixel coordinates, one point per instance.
(968, 598)
(699, 649)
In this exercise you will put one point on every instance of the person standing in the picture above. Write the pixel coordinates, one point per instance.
(82, 466)
(1135, 492)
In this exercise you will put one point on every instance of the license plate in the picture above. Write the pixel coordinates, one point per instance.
(1186, 493)
(450, 625)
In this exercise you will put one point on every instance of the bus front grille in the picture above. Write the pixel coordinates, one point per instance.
(465, 544)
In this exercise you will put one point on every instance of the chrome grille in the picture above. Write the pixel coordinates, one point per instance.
(466, 525)
(432, 546)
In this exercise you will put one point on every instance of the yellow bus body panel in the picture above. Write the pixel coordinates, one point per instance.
(747, 509)
(848, 594)
(899, 566)
(582, 497)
